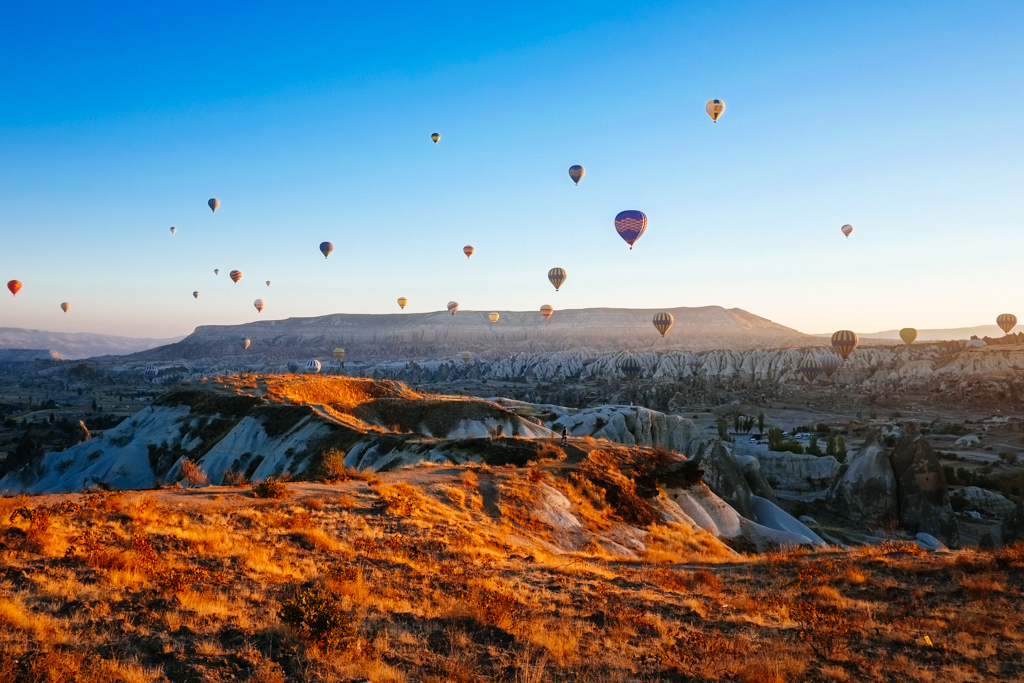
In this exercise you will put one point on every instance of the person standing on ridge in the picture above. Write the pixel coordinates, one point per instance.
(565, 436)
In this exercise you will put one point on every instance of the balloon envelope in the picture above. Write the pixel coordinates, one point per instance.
(14, 286)
(339, 353)
(714, 108)
(630, 367)
(1006, 322)
(259, 304)
(557, 277)
(150, 371)
(847, 229)
(811, 368)
(294, 366)
(235, 275)
(312, 366)
(844, 342)
(830, 363)
(465, 356)
(576, 173)
(663, 322)
(214, 203)
(268, 283)
(468, 250)
(493, 317)
(326, 248)
(435, 137)
(195, 295)
(65, 307)
(216, 271)
(630, 225)
(546, 311)
(244, 343)
(908, 335)
(453, 306)
(402, 301)
(174, 230)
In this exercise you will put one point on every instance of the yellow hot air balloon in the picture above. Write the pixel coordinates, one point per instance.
(663, 322)
(844, 342)
(908, 335)
(339, 353)
(494, 317)
(402, 301)
(714, 108)
(465, 356)
(557, 277)
(546, 311)
(435, 137)
(1006, 322)
(65, 307)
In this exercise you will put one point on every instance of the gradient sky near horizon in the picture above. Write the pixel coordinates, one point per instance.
(311, 122)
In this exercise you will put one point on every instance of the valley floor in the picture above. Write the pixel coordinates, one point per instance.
(448, 574)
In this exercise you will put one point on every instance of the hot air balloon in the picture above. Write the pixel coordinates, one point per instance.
(1006, 321)
(195, 295)
(216, 271)
(493, 316)
(714, 108)
(259, 304)
(326, 248)
(468, 250)
(908, 335)
(663, 322)
(65, 307)
(294, 366)
(630, 225)
(235, 275)
(435, 137)
(546, 311)
(402, 301)
(453, 307)
(830, 363)
(14, 286)
(150, 371)
(630, 367)
(847, 229)
(244, 343)
(312, 366)
(844, 342)
(557, 277)
(214, 204)
(465, 356)
(268, 283)
(339, 353)
(811, 368)
(576, 173)
(173, 230)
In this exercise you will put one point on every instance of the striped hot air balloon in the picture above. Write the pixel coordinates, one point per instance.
(830, 363)
(663, 322)
(844, 342)
(557, 277)
(14, 286)
(312, 366)
(714, 108)
(631, 368)
(546, 311)
(453, 307)
(402, 301)
(150, 371)
(630, 225)
(576, 173)
(847, 229)
(468, 250)
(339, 353)
(65, 307)
(493, 317)
(908, 335)
(326, 248)
(259, 304)
(214, 204)
(811, 368)
(435, 137)
(465, 356)
(235, 275)
(1006, 322)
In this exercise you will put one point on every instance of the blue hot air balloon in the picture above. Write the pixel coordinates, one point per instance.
(326, 248)
(630, 225)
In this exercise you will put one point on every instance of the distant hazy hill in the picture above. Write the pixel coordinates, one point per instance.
(419, 335)
(75, 345)
(950, 334)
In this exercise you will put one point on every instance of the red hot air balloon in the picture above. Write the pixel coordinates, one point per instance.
(468, 250)
(630, 225)
(847, 229)
(14, 286)
(259, 304)
(453, 307)
(235, 275)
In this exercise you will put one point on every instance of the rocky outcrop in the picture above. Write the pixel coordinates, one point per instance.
(754, 475)
(981, 500)
(1013, 526)
(798, 472)
(865, 487)
(922, 495)
(725, 477)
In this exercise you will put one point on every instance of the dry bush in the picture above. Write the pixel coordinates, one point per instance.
(674, 543)
(401, 499)
(317, 617)
(192, 473)
(980, 587)
(332, 466)
(271, 487)
(892, 546)
(235, 478)
(549, 451)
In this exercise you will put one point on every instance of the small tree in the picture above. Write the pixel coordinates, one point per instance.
(736, 417)
(830, 445)
(812, 447)
(760, 422)
(840, 449)
(192, 473)
(723, 430)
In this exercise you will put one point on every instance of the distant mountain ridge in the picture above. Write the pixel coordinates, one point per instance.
(421, 335)
(937, 334)
(75, 345)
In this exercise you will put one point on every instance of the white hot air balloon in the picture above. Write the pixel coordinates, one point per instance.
(312, 366)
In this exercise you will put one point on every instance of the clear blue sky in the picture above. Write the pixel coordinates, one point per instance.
(312, 123)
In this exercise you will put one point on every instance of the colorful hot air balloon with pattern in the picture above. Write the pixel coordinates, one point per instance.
(465, 356)
(195, 295)
(908, 335)
(630, 225)
(173, 230)
(468, 250)
(402, 301)
(259, 304)
(235, 275)
(150, 371)
(576, 173)
(830, 363)
(546, 311)
(453, 307)
(244, 343)
(435, 137)
(811, 368)
(847, 229)
(844, 342)
(326, 248)
(214, 204)
(312, 366)
(493, 317)
(556, 276)
(14, 286)
(65, 307)
(339, 353)
(1006, 322)
(631, 368)
(663, 322)
(714, 108)
(216, 271)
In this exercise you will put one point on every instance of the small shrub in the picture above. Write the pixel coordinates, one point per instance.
(192, 473)
(235, 478)
(1008, 458)
(270, 488)
(332, 465)
(318, 618)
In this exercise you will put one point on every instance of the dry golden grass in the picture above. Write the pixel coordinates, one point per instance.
(459, 579)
